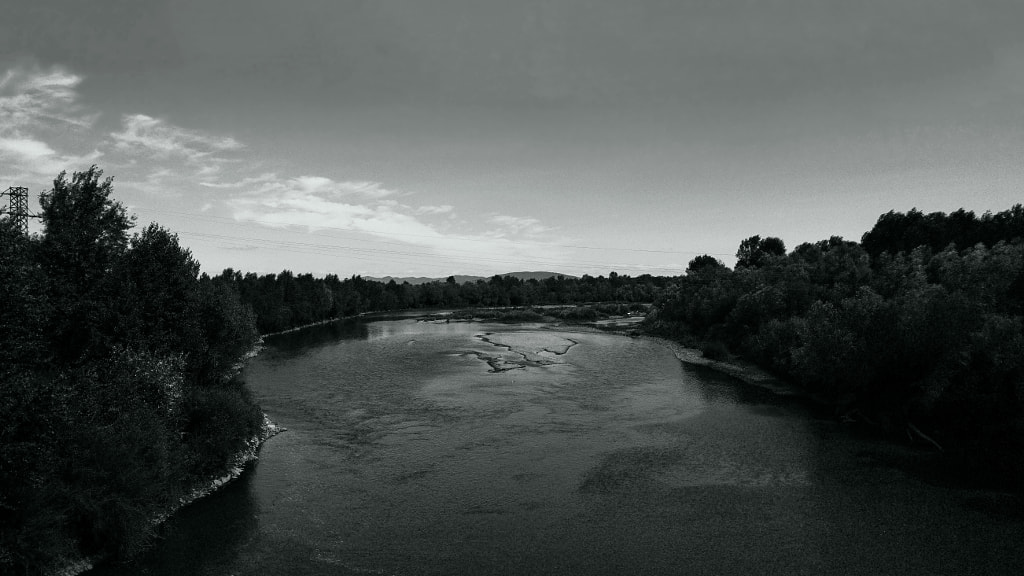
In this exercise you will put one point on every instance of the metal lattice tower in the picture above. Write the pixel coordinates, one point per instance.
(18, 207)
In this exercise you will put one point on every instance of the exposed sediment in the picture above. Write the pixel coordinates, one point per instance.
(538, 355)
(739, 369)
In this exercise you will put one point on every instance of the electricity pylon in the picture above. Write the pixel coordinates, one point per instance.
(18, 207)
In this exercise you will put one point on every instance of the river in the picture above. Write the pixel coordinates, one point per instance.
(481, 448)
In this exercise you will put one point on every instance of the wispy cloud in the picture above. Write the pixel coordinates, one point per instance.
(157, 181)
(147, 135)
(35, 106)
(443, 209)
(271, 183)
(31, 98)
(171, 158)
(39, 109)
(37, 158)
(318, 203)
(41, 117)
(251, 182)
(516, 225)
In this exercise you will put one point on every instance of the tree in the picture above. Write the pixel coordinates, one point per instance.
(221, 330)
(84, 233)
(23, 294)
(703, 263)
(157, 279)
(755, 251)
(114, 358)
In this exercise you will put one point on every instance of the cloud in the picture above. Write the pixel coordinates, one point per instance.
(37, 158)
(40, 117)
(270, 182)
(159, 181)
(145, 134)
(37, 98)
(250, 182)
(319, 203)
(443, 209)
(26, 148)
(37, 106)
(208, 170)
(326, 186)
(516, 225)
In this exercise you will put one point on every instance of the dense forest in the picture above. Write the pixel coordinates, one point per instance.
(117, 356)
(116, 396)
(916, 330)
(283, 301)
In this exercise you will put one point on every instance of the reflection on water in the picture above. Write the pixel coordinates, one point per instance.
(478, 448)
(322, 334)
(206, 537)
(718, 388)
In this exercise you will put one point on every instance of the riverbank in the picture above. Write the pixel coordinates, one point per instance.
(234, 469)
(297, 328)
(76, 566)
(248, 454)
(736, 367)
(633, 326)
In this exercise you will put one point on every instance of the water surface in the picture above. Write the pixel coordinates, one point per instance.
(475, 448)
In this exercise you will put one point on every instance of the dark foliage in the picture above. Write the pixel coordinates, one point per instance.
(703, 263)
(114, 365)
(283, 301)
(917, 330)
(756, 251)
(898, 232)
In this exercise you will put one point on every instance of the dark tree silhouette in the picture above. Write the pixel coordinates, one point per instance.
(755, 251)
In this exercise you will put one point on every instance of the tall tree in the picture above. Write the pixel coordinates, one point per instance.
(157, 281)
(704, 262)
(84, 233)
(756, 251)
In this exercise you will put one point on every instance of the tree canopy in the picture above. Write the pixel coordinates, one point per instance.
(917, 330)
(115, 366)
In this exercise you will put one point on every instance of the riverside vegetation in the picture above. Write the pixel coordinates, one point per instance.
(116, 396)
(117, 355)
(916, 331)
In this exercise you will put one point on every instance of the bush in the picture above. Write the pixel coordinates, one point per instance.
(578, 314)
(714, 350)
(220, 421)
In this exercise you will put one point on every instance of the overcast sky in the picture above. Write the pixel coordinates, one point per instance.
(413, 137)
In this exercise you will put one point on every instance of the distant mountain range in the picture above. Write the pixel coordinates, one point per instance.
(463, 279)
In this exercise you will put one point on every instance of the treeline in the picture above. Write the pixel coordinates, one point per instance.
(902, 232)
(117, 355)
(116, 395)
(917, 329)
(285, 300)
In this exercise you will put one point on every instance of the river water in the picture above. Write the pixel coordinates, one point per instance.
(476, 448)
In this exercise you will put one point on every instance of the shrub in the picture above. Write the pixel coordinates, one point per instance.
(220, 421)
(715, 350)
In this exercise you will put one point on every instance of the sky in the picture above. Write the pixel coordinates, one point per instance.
(428, 138)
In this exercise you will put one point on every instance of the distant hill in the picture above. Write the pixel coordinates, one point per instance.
(536, 275)
(414, 280)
